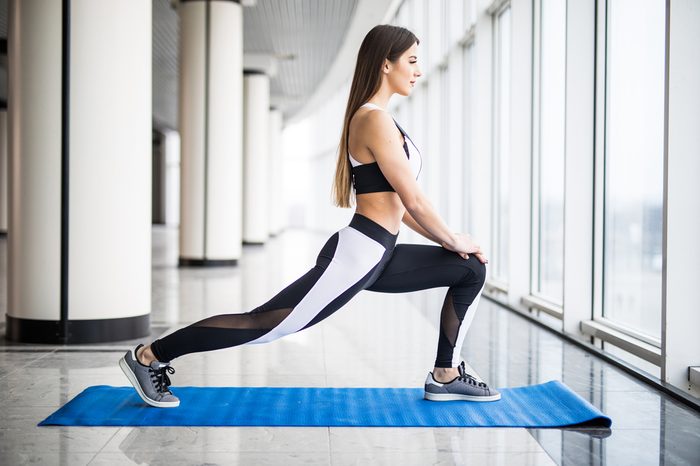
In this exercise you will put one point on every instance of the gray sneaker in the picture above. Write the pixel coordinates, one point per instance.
(151, 382)
(463, 387)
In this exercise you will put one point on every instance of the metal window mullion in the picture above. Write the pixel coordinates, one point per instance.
(536, 192)
(599, 161)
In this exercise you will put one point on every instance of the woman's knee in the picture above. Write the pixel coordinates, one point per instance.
(481, 274)
(478, 270)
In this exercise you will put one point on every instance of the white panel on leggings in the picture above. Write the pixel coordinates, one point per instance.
(466, 322)
(354, 257)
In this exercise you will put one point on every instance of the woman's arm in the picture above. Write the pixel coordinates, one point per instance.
(413, 225)
(386, 146)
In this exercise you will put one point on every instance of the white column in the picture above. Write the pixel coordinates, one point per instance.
(79, 232)
(480, 181)
(680, 319)
(256, 89)
(210, 118)
(276, 162)
(578, 159)
(520, 153)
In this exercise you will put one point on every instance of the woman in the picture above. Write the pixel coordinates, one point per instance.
(380, 162)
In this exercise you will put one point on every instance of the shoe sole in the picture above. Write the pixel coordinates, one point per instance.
(134, 381)
(457, 397)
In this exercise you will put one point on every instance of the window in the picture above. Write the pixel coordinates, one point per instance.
(548, 147)
(632, 165)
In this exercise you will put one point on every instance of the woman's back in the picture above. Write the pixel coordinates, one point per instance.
(375, 196)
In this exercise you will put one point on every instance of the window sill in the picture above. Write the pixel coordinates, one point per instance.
(542, 305)
(626, 342)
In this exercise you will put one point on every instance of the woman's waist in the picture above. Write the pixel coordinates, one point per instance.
(372, 228)
(386, 212)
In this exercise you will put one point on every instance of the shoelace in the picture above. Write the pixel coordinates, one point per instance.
(469, 378)
(161, 380)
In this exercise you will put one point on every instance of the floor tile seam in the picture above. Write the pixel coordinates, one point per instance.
(328, 444)
(50, 449)
(10, 373)
(19, 405)
(325, 376)
(262, 452)
(551, 458)
(24, 366)
(109, 440)
(546, 454)
(542, 447)
(210, 449)
(466, 455)
(495, 449)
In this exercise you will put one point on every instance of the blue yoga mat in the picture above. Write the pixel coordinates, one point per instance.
(551, 404)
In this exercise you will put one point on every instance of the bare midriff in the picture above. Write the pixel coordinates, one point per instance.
(384, 208)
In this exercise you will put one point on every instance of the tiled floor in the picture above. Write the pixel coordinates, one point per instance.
(376, 340)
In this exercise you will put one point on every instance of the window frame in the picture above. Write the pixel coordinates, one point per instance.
(538, 300)
(600, 327)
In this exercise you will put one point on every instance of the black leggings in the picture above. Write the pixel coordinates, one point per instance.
(361, 256)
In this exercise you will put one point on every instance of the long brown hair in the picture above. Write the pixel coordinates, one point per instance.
(382, 42)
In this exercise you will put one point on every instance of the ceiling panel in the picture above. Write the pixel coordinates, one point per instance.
(304, 34)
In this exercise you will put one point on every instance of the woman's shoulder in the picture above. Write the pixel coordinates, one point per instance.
(374, 122)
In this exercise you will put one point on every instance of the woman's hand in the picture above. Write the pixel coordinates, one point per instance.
(465, 245)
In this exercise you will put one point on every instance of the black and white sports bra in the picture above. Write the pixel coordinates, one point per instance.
(368, 178)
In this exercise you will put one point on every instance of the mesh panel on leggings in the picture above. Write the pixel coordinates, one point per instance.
(449, 320)
(256, 319)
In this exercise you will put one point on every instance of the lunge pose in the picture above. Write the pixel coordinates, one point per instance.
(377, 167)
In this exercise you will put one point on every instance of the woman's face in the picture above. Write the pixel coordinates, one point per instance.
(403, 73)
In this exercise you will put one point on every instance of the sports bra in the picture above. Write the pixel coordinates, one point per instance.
(368, 178)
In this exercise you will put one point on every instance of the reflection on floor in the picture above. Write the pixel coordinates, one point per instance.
(376, 340)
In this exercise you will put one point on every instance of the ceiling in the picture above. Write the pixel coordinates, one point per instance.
(305, 36)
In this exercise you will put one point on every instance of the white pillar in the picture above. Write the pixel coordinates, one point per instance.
(256, 177)
(79, 232)
(680, 319)
(210, 118)
(578, 159)
(520, 156)
(276, 162)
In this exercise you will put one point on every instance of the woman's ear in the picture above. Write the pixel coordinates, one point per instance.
(387, 66)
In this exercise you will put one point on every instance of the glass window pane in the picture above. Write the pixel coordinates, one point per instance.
(634, 125)
(550, 277)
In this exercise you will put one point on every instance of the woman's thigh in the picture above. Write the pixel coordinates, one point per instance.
(415, 267)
